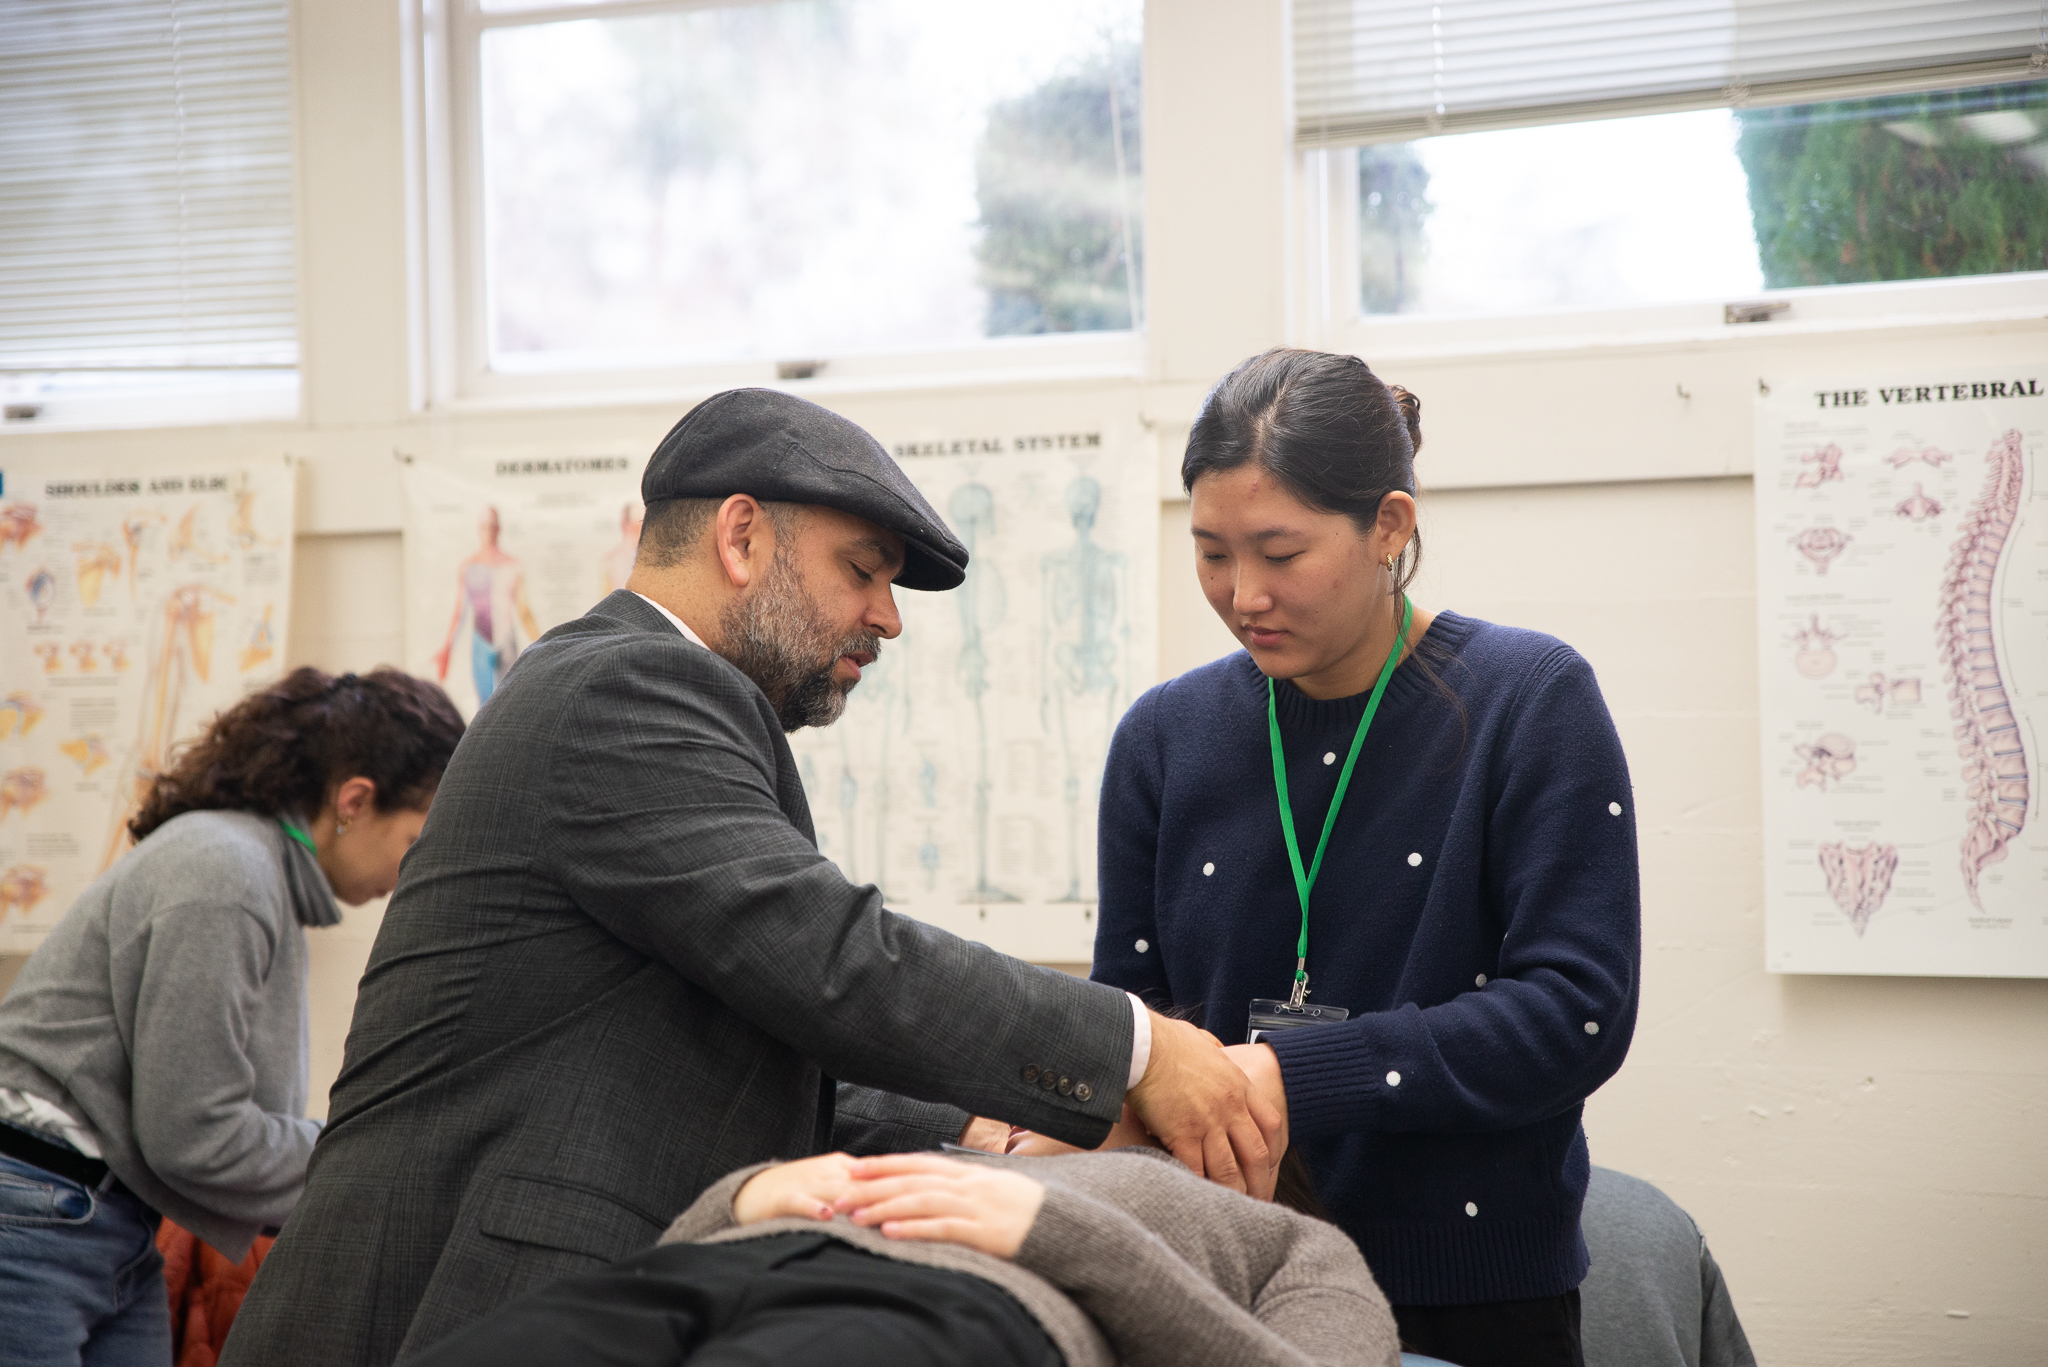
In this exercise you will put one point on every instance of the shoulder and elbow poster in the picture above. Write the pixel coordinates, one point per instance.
(135, 603)
(1902, 605)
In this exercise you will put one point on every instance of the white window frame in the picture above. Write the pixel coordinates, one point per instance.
(450, 302)
(1331, 317)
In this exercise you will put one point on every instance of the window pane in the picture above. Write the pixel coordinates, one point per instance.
(800, 180)
(1715, 204)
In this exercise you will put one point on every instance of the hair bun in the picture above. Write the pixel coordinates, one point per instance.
(1411, 413)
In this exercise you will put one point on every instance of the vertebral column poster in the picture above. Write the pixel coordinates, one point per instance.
(1902, 605)
(136, 601)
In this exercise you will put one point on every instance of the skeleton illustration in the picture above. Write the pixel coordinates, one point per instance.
(21, 887)
(1821, 544)
(1994, 755)
(1830, 759)
(96, 560)
(1881, 690)
(42, 591)
(1814, 655)
(183, 651)
(1858, 877)
(262, 642)
(1827, 467)
(242, 524)
(18, 525)
(86, 655)
(972, 509)
(18, 715)
(1919, 507)
(928, 794)
(117, 655)
(133, 528)
(618, 561)
(51, 654)
(1906, 455)
(21, 790)
(88, 752)
(1083, 601)
(187, 541)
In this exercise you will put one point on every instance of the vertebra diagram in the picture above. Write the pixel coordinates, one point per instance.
(1919, 507)
(1820, 545)
(1994, 755)
(1858, 877)
(1881, 690)
(1930, 455)
(1830, 759)
(1814, 649)
(1827, 467)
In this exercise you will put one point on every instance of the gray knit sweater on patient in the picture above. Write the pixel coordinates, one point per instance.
(167, 1011)
(1135, 1260)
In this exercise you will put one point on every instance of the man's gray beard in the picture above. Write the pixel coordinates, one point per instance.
(777, 637)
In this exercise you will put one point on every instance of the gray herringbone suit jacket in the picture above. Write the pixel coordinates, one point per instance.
(615, 969)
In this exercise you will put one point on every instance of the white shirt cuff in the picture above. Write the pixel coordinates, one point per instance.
(1141, 1040)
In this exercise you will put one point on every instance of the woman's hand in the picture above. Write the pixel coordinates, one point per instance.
(805, 1190)
(939, 1200)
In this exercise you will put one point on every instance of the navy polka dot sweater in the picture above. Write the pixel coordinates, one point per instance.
(1478, 913)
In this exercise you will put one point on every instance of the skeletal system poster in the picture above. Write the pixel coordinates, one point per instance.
(135, 602)
(963, 778)
(1902, 586)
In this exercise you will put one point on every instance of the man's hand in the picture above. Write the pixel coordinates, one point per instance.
(1269, 1090)
(1203, 1108)
(942, 1200)
(805, 1189)
(990, 1136)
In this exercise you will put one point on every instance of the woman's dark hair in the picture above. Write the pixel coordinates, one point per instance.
(282, 749)
(1333, 433)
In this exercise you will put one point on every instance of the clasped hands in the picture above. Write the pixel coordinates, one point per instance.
(1221, 1110)
(918, 1196)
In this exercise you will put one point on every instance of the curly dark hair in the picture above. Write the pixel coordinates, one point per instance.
(281, 750)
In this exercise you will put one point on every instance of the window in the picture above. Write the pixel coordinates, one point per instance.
(1711, 204)
(146, 238)
(1519, 157)
(683, 191)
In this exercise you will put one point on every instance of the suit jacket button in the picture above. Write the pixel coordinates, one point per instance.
(1047, 1080)
(1031, 1072)
(1082, 1091)
(1066, 1086)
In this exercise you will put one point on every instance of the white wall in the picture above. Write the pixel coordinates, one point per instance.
(1866, 1155)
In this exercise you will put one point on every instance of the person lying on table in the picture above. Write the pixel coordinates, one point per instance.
(917, 1260)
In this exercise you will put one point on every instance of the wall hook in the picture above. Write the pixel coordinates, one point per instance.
(1762, 388)
(1683, 392)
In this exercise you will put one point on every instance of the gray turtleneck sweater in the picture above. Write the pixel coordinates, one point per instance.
(1134, 1260)
(167, 1012)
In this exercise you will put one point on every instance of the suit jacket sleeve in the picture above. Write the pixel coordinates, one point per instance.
(867, 1122)
(670, 834)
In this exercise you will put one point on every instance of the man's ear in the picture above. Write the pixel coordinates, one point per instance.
(742, 539)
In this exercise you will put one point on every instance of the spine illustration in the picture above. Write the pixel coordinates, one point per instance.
(1858, 877)
(1987, 733)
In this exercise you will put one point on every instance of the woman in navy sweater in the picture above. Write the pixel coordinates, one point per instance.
(1462, 879)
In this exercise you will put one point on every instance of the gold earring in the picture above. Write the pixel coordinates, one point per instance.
(1390, 564)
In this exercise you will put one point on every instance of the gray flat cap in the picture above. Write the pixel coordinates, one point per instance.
(784, 450)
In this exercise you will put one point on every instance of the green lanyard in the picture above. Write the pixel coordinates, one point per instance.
(295, 833)
(1305, 882)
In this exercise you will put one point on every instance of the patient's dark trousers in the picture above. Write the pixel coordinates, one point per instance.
(786, 1300)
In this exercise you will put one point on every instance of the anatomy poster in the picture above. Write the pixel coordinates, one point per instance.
(499, 550)
(1902, 586)
(963, 778)
(136, 602)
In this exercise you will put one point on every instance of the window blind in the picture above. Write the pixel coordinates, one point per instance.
(145, 185)
(1389, 70)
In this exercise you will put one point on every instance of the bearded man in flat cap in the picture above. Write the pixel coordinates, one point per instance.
(616, 966)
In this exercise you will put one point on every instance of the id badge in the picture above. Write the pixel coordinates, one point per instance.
(1271, 1015)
